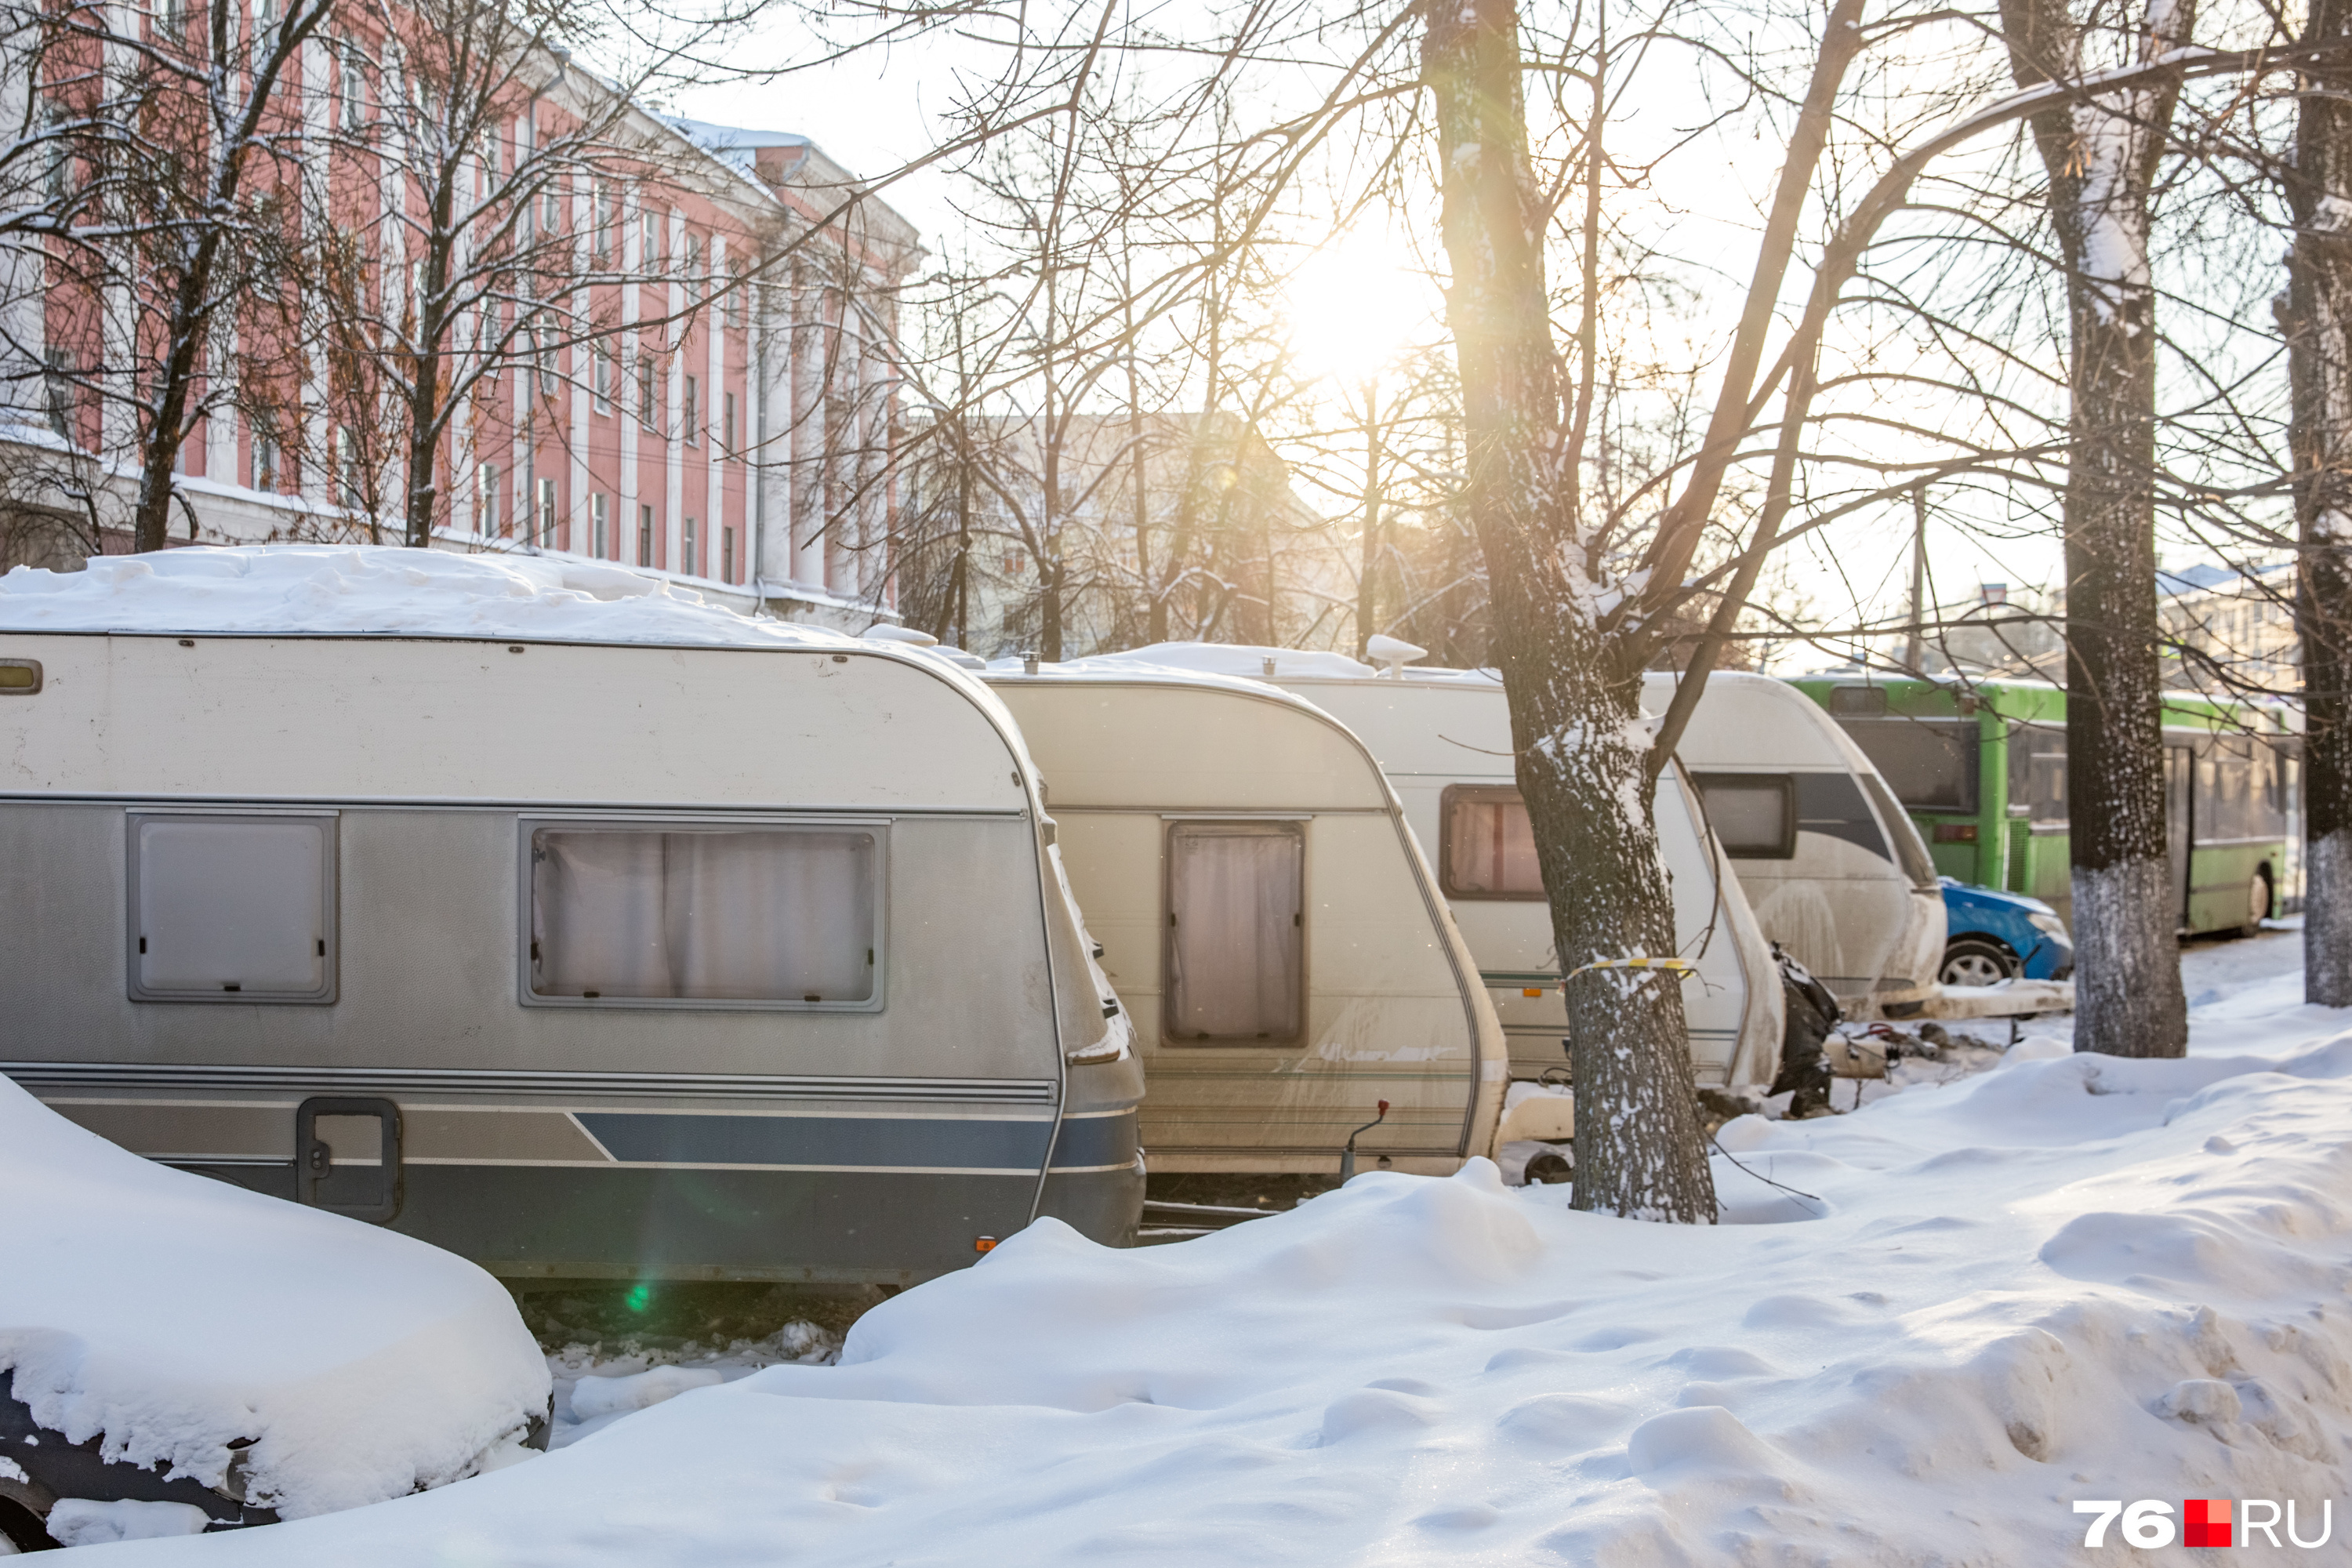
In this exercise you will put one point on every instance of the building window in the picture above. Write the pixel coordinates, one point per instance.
(547, 513)
(351, 86)
(764, 917)
(351, 494)
(727, 555)
(232, 908)
(57, 388)
(648, 391)
(734, 303)
(599, 524)
(486, 501)
(550, 210)
(265, 462)
(645, 536)
(602, 222)
(602, 354)
(693, 270)
(726, 424)
(687, 415)
(1487, 847)
(648, 240)
(689, 560)
(1236, 931)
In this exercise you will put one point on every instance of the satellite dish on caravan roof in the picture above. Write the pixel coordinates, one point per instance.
(1394, 652)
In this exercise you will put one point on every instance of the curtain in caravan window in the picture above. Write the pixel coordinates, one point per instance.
(772, 915)
(1236, 950)
(777, 915)
(596, 915)
(1490, 845)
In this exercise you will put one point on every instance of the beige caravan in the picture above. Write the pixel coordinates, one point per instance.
(1833, 866)
(1444, 739)
(1262, 908)
(532, 910)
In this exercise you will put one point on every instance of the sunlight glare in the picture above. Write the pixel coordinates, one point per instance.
(1355, 306)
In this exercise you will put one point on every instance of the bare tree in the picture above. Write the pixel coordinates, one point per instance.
(2316, 316)
(2102, 154)
(170, 136)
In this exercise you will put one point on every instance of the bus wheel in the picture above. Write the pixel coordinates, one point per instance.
(2258, 904)
(1976, 961)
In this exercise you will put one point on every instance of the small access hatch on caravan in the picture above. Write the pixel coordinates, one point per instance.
(231, 908)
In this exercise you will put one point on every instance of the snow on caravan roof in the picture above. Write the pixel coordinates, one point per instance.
(175, 1315)
(360, 589)
(1248, 661)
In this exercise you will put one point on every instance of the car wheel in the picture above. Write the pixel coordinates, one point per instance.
(2258, 904)
(1976, 961)
(22, 1529)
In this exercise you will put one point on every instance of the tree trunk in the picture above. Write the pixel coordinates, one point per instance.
(2101, 158)
(2317, 316)
(1575, 702)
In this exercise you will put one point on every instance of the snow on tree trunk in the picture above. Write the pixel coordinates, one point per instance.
(1574, 693)
(2316, 313)
(2102, 154)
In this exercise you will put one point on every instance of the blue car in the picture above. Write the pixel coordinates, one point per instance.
(1997, 936)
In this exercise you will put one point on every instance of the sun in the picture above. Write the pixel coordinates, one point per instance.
(1354, 306)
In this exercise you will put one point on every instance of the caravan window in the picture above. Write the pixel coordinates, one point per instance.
(232, 908)
(1236, 931)
(1755, 814)
(1486, 845)
(764, 917)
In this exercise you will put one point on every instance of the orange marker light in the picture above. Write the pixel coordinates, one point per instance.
(1531, 991)
(984, 1244)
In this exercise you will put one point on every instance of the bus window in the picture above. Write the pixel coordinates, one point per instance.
(1929, 763)
(2037, 773)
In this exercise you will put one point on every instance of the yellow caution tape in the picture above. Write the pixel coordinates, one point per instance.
(1682, 967)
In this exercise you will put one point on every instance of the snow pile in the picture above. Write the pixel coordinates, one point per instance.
(336, 588)
(2068, 1277)
(177, 1315)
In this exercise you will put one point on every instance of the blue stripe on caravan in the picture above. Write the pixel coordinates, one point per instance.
(642, 1138)
(1093, 1141)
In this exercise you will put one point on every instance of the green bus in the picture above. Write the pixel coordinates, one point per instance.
(1981, 765)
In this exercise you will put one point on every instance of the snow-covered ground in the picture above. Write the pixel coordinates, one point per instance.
(195, 1324)
(2064, 1278)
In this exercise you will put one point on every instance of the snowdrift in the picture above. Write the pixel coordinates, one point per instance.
(175, 1316)
(2072, 1278)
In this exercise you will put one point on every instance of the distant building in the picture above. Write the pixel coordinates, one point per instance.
(694, 404)
(1011, 526)
(2230, 627)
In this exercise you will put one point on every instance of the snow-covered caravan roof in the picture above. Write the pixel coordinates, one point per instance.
(1751, 721)
(884, 725)
(1135, 755)
(179, 1316)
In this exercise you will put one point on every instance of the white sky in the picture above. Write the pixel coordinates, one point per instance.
(872, 113)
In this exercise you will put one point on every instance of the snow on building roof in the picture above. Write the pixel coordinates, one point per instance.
(176, 1315)
(380, 589)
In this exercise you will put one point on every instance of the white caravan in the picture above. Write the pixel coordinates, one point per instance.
(1262, 908)
(1835, 871)
(1443, 739)
(549, 916)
